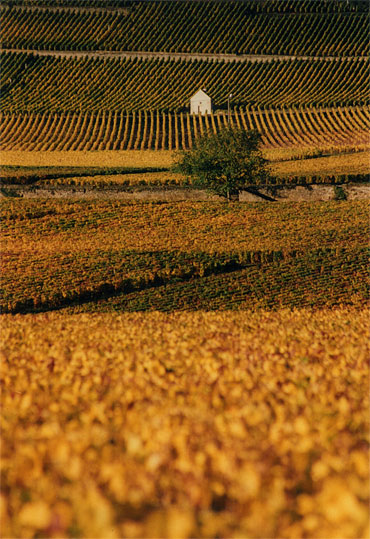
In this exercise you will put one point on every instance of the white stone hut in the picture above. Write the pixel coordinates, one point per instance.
(200, 103)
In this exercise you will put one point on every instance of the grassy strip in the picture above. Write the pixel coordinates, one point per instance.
(351, 163)
(295, 154)
(149, 158)
(83, 158)
(29, 175)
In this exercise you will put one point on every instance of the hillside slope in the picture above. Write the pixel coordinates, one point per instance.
(207, 26)
(45, 83)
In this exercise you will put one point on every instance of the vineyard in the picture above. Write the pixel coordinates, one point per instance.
(145, 130)
(237, 27)
(186, 425)
(195, 368)
(50, 84)
(106, 413)
(53, 251)
(268, 282)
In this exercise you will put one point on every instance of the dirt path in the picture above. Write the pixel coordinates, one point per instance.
(125, 10)
(79, 9)
(179, 55)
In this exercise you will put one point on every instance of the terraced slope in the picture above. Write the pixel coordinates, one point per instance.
(208, 26)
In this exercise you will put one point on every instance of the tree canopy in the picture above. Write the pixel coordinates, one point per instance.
(225, 162)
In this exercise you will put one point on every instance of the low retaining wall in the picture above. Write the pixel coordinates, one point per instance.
(283, 194)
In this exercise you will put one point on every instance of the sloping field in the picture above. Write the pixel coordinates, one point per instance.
(210, 27)
(64, 253)
(251, 421)
(145, 130)
(45, 83)
(185, 424)
(302, 280)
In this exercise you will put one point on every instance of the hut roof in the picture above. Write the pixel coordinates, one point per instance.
(200, 94)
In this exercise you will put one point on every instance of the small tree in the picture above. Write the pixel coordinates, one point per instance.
(225, 162)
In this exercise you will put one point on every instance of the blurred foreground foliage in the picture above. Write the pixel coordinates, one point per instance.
(185, 425)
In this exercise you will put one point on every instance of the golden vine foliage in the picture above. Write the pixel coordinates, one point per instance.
(309, 28)
(150, 130)
(59, 250)
(36, 84)
(46, 227)
(185, 425)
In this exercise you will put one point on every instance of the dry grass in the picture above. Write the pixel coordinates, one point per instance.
(288, 161)
(129, 158)
(302, 152)
(356, 163)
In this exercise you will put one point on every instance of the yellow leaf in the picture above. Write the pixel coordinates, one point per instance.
(179, 523)
(35, 515)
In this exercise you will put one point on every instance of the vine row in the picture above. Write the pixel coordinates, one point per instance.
(32, 83)
(154, 130)
(207, 27)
